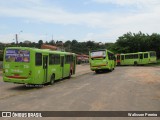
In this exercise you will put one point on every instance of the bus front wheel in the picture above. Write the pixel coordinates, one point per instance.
(52, 79)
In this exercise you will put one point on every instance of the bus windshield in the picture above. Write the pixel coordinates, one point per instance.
(16, 55)
(98, 54)
(152, 54)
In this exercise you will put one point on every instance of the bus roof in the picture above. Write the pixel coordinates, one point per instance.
(100, 50)
(39, 50)
(134, 53)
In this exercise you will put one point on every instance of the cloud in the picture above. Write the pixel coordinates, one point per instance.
(92, 19)
(129, 2)
(6, 38)
(145, 19)
(53, 15)
(9, 38)
(3, 27)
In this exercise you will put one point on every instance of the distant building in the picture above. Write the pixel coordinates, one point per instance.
(27, 42)
(100, 43)
(51, 47)
(82, 58)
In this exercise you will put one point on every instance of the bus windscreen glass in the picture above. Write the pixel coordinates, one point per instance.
(152, 54)
(97, 54)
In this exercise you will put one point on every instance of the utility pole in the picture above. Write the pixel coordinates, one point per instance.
(16, 39)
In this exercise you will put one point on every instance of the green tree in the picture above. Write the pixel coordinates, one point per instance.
(40, 42)
(52, 42)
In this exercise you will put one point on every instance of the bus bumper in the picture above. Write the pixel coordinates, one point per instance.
(18, 81)
(100, 68)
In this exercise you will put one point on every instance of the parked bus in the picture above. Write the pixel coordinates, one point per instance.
(139, 58)
(25, 65)
(101, 60)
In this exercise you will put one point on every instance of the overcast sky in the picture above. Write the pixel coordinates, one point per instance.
(83, 20)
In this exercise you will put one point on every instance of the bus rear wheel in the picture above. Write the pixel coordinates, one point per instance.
(96, 71)
(111, 69)
(135, 63)
(52, 80)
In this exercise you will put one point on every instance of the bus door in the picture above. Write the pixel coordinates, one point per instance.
(122, 60)
(62, 66)
(141, 58)
(45, 67)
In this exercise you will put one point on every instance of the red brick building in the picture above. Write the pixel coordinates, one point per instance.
(51, 47)
(82, 58)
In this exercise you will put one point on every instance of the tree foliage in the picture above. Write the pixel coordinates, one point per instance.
(127, 43)
(138, 42)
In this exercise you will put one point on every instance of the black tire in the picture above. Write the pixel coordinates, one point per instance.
(111, 70)
(96, 71)
(52, 80)
(135, 63)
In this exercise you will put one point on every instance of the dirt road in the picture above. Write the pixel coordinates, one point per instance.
(10, 89)
(124, 89)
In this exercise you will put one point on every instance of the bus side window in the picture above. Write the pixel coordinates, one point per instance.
(54, 59)
(114, 58)
(141, 56)
(69, 59)
(146, 55)
(51, 59)
(135, 56)
(38, 59)
(110, 56)
(57, 59)
(122, 57)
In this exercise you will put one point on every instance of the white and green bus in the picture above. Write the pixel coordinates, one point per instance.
(139, 58)
(25, 65)
(101, 60)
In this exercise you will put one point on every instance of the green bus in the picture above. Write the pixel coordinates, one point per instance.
(101, 60)
(26, 65)
(139, 58)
